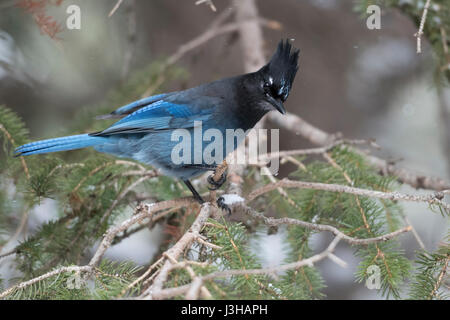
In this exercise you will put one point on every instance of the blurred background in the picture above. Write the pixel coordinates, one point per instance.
(363, 83)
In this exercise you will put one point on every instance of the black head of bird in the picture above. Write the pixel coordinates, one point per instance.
(277, 77)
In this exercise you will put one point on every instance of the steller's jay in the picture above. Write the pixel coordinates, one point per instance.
(144, 132)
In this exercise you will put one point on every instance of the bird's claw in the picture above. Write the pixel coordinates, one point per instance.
(222, 205)
(217, 184)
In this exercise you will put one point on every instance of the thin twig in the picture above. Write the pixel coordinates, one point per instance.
(414, 232)
(280, 190)
(319, 150)
(9, 253)
(114, 9)
(419, 33)
(320, 227)
(142, 277)
(286, 183)
(208, 3)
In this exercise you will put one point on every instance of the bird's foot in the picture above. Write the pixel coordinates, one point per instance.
(222, 205)
(217, 184)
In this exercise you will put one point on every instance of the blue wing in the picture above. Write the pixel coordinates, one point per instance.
(161, 115)
(132, 107)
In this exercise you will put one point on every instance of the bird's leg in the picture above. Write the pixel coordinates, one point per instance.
(216, 180)
(196, 195)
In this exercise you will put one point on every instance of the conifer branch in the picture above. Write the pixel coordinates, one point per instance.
(157, 277)
(124, 193)
(13, 143)
(319, 227)
(143, 211)
(177, 249)
(440, 277)
(171, 255)
(191, 290)
(45, 276)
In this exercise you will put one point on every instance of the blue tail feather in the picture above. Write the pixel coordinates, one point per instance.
(59, 144)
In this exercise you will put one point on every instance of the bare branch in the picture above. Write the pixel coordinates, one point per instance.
(251, 42)
(319, 137)
(419, 33)
(250, 35)
(319, 150)
(9, 253)
(434, 198)
(208, 3)
(114, 9)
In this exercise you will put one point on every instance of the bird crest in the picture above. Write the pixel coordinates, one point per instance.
(280, 71)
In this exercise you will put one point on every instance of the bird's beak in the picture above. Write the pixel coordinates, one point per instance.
(278, 104)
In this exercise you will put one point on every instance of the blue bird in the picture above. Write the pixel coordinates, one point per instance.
(144, 132)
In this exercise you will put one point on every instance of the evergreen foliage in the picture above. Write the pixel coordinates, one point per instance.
(87, 193)
(358, 216)
(437, 25)
(93, 190)
(430, 277)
